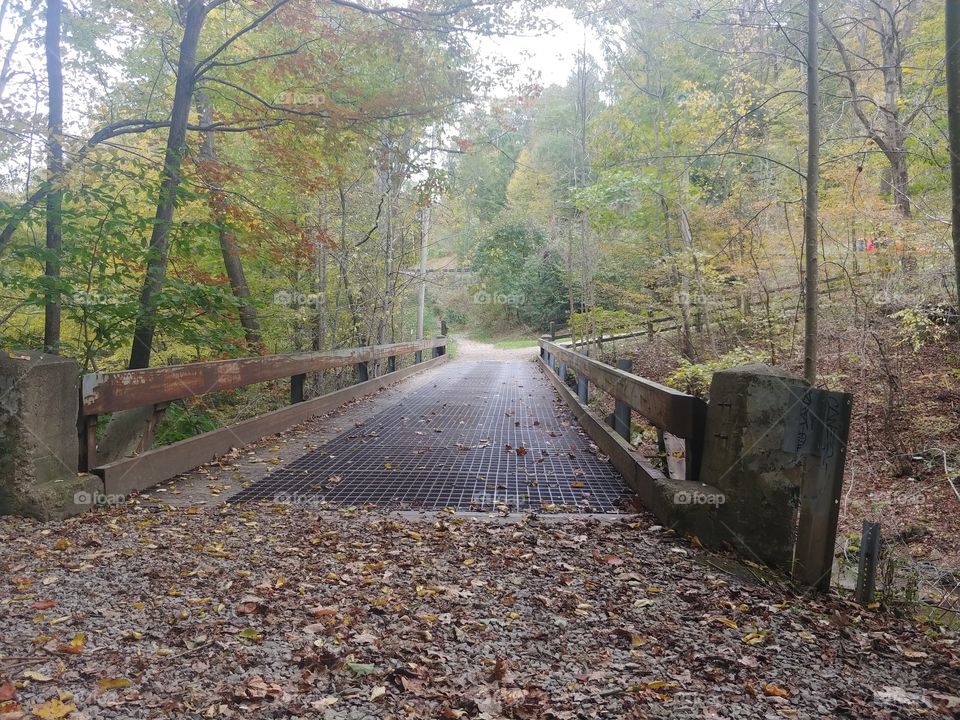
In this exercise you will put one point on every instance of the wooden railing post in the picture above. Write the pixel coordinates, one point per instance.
(418, 356)
(621, 413)
(88, 443)
(363, 372)
(296, 388)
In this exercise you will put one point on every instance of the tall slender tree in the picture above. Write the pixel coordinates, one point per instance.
(810, 218)
(952, 22)
(54, 209)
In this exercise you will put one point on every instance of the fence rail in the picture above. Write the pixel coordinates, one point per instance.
(653, 324)
(103, 393)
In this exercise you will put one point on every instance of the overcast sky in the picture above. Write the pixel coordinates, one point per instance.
(552, 56)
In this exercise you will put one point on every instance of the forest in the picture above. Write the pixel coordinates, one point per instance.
(207, 179)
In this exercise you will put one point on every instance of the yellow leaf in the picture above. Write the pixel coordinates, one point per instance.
(469, 561)
(378, 692)
(727, 621)
(36, 676)
(113, 683)
(54, 709)
(659, 685)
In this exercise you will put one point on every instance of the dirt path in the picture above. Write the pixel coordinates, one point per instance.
(474, 351)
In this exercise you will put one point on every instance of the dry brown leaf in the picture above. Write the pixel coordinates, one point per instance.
(774, 690)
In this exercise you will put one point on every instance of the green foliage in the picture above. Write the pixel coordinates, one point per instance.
(695, 378)
(916, 329)
(520, 278)
(184, 419)
(598, 322)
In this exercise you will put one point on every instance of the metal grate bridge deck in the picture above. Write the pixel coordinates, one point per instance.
(480, 436)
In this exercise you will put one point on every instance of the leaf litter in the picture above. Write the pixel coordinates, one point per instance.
(275, 611)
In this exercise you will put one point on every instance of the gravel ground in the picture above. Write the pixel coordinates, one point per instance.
(274, 611)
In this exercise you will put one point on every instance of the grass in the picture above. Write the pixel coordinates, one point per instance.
(515, 343)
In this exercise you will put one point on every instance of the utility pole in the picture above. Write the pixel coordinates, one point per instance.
(953, 118)
(810, 208)
(424, 236)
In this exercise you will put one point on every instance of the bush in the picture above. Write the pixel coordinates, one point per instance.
(695, 378)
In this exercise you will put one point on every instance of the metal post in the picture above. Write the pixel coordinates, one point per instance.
(869, 559)
(424, 234)
(363, 372)
(392, 364)
(418, 356)
(621, 413)
(296, 388)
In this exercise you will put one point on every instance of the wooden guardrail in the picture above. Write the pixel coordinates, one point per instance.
(110, 392)
(669, 410)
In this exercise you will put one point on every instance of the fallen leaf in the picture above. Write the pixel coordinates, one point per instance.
(113, 683)
(36, 676)
(323, 611)
(249, 604)
(360, 669)
(378, 692)
(8, 691)
(54, 709)
(75, 646)
(774, 690)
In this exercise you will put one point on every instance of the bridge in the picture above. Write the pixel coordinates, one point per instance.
(757, 470)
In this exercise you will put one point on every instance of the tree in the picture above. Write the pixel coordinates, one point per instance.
(871, 39)
(952, 33)
(810, 226)
(54, 209)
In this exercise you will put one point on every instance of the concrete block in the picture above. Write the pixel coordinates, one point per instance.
(743, 458)
(39, 446)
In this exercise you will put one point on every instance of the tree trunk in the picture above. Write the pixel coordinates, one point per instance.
(810, 207)
(158, 254)
(953, 116)
(54, 210)
(894, 130)
(232, 262)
